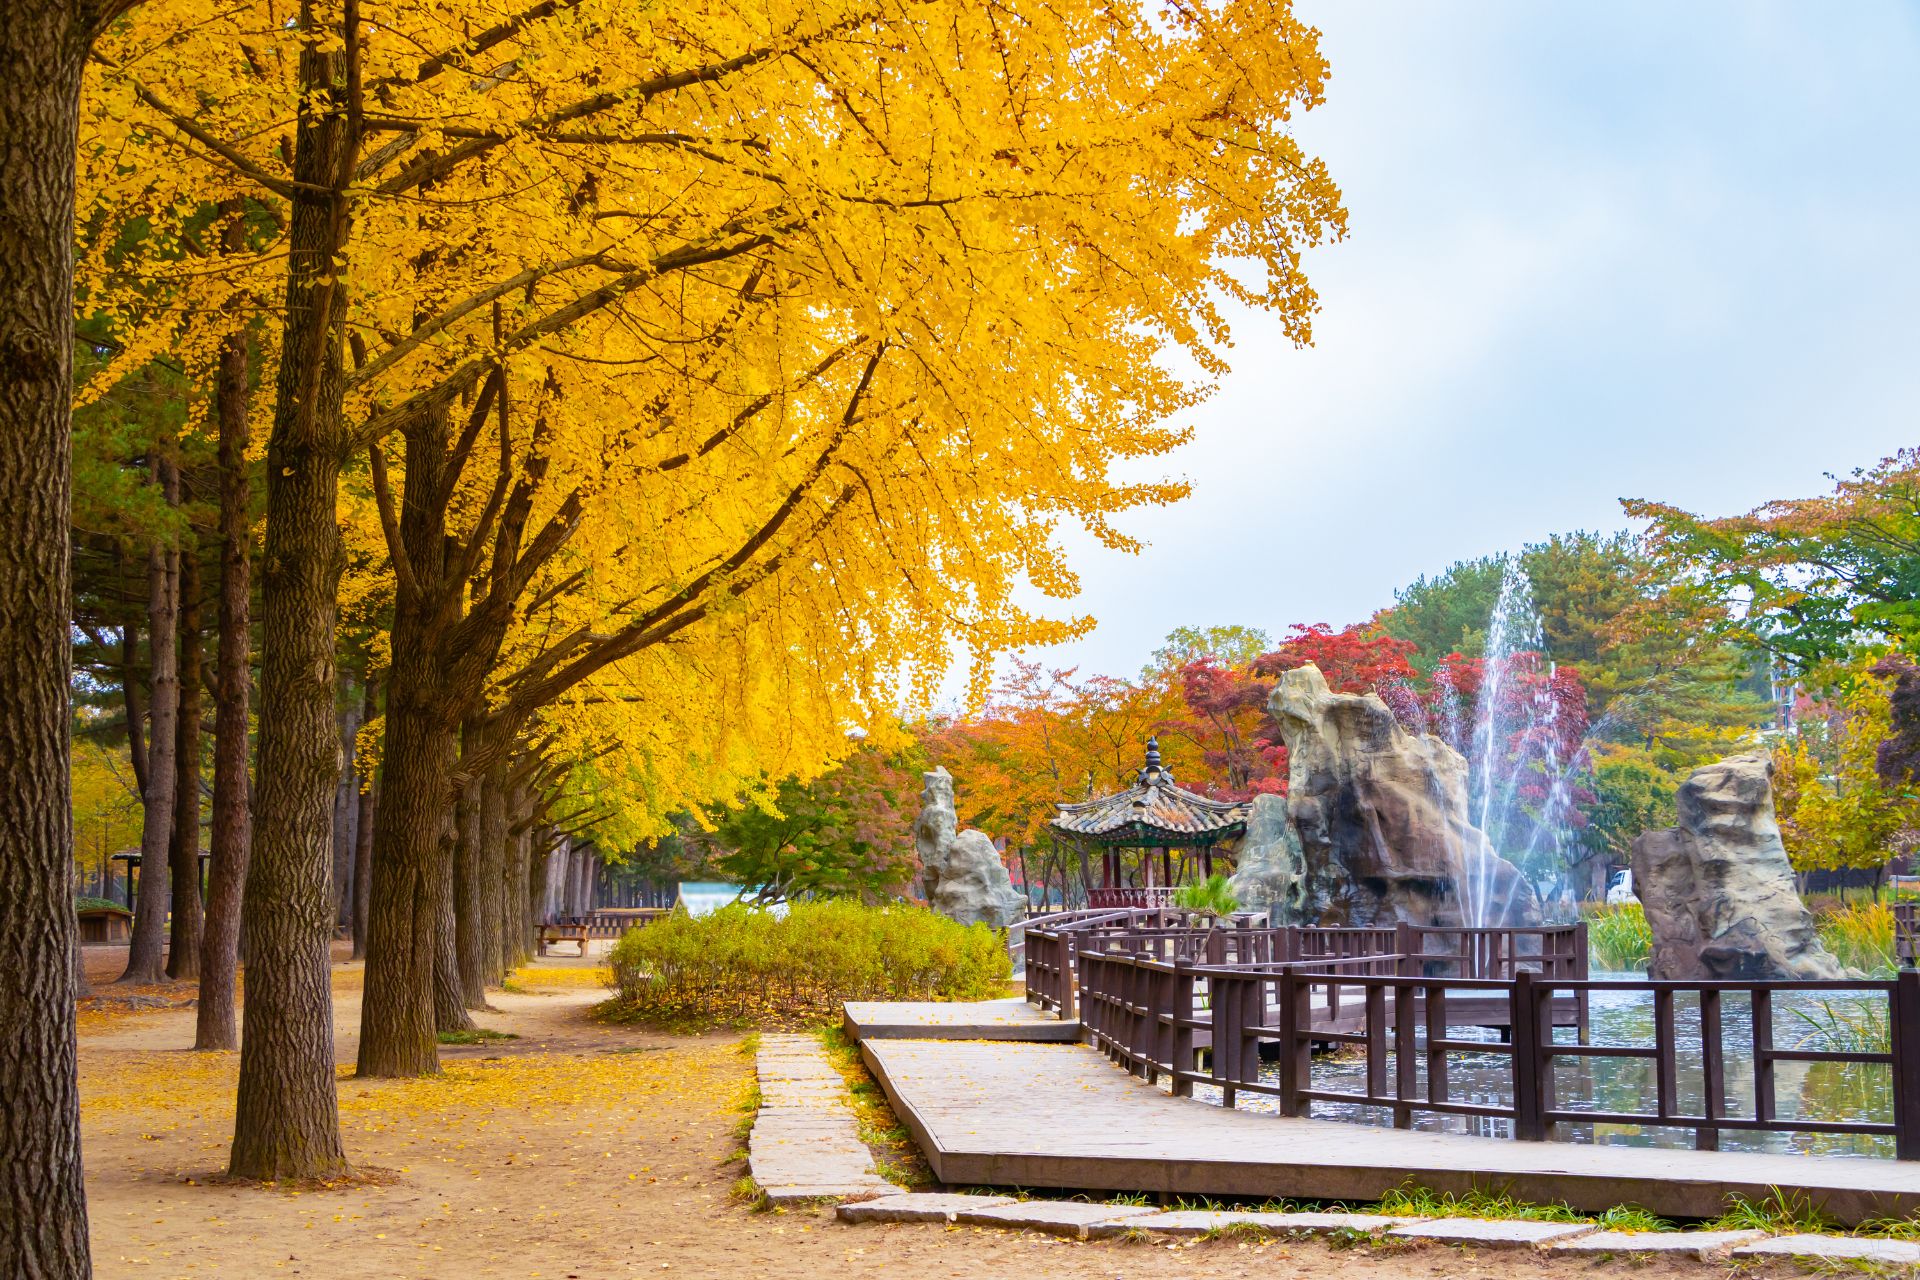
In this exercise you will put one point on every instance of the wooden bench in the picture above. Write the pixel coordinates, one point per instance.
(552, 933)
(609, 924)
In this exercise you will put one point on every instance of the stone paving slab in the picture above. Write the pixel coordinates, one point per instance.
(1704, 1245)
(1194, 1222)
(918, 1206)
(1494, 1234)
(806, 1142)
(1058, 1217)
(1832, 1249)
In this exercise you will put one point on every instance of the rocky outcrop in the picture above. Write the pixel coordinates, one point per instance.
(1270, 871)
(961, 870)
(1381, 817)
(1718, 889)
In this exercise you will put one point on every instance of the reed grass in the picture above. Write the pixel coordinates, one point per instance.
(1619, 939)
(1860, 936)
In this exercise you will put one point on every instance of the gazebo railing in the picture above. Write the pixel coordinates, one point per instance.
(1131, 896)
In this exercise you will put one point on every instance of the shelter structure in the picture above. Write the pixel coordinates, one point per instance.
(1154, 816)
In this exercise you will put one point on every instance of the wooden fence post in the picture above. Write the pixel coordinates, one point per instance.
(1292, 1024)
(1069, 979)
(1906, 1064)
(1528, 1123)
(1180, 1058)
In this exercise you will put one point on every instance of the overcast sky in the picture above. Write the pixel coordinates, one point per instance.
(1597, 250)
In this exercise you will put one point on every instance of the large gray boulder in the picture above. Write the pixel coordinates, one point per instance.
(961, 870)
(1718, 889)
(1270, 872)
(1381, 816)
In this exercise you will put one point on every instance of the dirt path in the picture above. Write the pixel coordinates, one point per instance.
(576, 1150)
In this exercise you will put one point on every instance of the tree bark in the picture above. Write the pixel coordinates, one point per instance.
(397, 1021)
(514, 944)
(146, 956)
(412, 871)
(468, 909)
(215, 1025)
(449, 1004)
(346, 806)
(43, 1206)
(363, 832)
(135, 702)
(184, 935)
(493, 877)
(286, 1121)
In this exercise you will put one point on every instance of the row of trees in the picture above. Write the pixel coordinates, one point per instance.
(614, 405)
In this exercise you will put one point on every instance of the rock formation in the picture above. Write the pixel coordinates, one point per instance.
(1381, 817)
(1718, 890)
(962, 871)
(1270, 871)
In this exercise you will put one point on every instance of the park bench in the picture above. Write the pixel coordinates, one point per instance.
(608, 924)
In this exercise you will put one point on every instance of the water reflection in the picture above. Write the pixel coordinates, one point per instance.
(1829, 1091)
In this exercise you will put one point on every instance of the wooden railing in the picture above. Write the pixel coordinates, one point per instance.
(1156, 1017)
(1134, 896)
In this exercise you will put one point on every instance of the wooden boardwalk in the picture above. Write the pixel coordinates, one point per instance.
(1007, 1113)
(1010, 1019)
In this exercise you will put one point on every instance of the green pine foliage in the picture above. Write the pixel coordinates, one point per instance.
(1209, 897)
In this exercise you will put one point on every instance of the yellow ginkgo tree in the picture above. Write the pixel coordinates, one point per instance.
(707, 377)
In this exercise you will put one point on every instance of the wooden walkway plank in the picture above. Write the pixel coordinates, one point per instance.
(1009, 1019)
(989, 1113)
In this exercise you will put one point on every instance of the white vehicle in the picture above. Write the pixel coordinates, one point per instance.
(1620, 889)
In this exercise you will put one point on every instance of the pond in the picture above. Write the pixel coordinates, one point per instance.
(1834, 1020)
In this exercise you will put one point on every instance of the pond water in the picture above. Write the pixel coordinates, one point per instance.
(1830, 1020)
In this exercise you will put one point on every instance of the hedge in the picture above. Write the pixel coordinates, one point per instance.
(748, 966)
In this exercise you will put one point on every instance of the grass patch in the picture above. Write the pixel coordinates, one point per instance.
(748, 1105)
(1424, 1202)
(475, 1035)
(1779, 1212)
(895, 1156)
(1619, 939)
(1860, 936)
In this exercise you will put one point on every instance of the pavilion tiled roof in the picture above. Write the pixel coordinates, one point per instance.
(1152, 811)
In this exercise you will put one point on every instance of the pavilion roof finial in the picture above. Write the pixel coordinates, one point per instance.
(1153, 771)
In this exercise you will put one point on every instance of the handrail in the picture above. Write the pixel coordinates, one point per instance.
(1154, 1015)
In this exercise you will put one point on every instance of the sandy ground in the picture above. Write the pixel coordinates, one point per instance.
(577, 1150)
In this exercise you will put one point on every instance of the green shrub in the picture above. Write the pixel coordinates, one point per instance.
(1619, 939)
(97, 904)
(1209, 897)
(745, 966)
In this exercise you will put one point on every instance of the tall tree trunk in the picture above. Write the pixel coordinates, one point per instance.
(411, 870)
(363, 831)
(346, 806)
(183, 939)
(135, 701)
(215, 1026)
(449, 1004)
(493, 876)
(514, 945)
(468, 912)
(43, 1204)
(146, 956)
(287, 1121)
(397, 1023)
